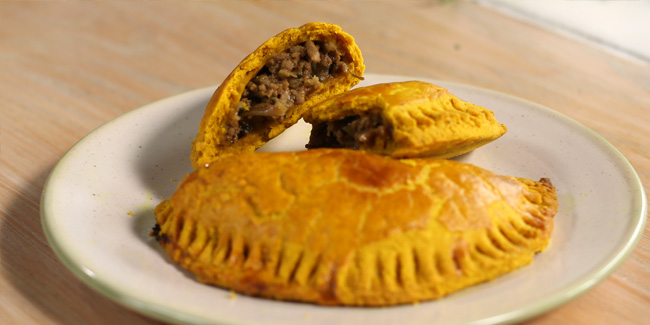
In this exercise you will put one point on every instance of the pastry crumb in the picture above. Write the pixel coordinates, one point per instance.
(233, 295)
(307, 315)
(131, 213)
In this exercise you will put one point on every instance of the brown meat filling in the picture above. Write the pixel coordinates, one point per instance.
(285, 81)
(352, 132)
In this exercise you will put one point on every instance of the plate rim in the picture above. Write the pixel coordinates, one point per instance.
(559, 297)
(82, 273)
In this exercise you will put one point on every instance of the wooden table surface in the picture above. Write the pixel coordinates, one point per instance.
(66, 67)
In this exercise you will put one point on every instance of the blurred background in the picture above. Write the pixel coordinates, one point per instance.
(68, 67)
(619, 26)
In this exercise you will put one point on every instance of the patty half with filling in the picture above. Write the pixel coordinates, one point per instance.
(402, 120)
(273, 86)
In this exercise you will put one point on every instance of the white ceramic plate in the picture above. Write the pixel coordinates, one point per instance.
(97, 212)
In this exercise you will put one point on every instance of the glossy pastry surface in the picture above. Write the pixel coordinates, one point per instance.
(342, 227)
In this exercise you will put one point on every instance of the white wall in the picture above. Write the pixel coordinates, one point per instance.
(620, 26)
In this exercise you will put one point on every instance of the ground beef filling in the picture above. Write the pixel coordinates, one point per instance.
(352, 132)
(285, 81)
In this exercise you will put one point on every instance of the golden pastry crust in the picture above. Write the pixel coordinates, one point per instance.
(419, 119)
(340, 227)
(213, 140)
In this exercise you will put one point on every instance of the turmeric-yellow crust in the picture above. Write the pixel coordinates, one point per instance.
(211, 142)
(341, 227)
(426, 120)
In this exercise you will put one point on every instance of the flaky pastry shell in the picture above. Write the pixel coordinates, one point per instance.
(215, 136)
(340, 227)
(416, 119)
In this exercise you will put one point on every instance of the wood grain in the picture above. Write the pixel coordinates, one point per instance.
(67, 67)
